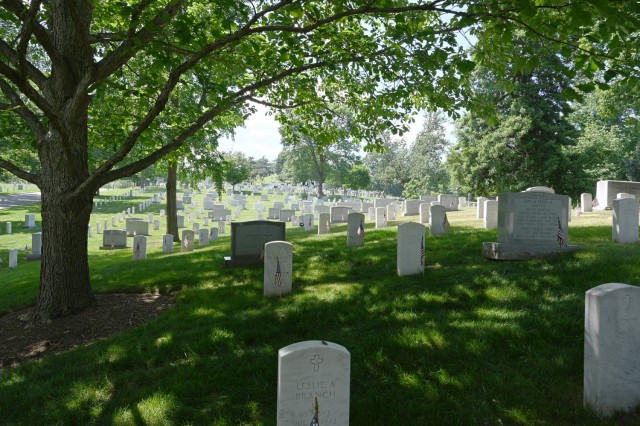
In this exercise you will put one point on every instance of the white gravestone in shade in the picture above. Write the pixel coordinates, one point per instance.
(381, 217)
(625, 220)
(90, 230)
(310, 371)
(480, 207)
(167, 243)
(13, 258)
(113, 221)
(585, 202)
(391, 212)
(180, 221)
(36, 246)
(438, 221)
(411, 248)
(355, 230)
(139, 247)
(8, 228)
(612, 348)
(278, 268)
(424, 212)
(213, 234)
(98, 227)
(307, 221)
(324, 226)
(203, 237)
(156, 225)
(30, 220)
(187, 240)
(490, 219)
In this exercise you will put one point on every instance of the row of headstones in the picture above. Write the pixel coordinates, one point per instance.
(29, 222)
(36, 250)
(16, 186)
(314, 377)
(117, 239)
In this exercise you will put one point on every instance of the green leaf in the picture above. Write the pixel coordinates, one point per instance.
(466, 66)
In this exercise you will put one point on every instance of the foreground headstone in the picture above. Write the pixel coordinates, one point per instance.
(310, 371)
(530, 224)
(625, 220)
(167, 243)
(411, 248)
(36, 246)
(278, 268)
(248, 240)
(355, 230)
(188, 238)
(612, 348)
(139, 247)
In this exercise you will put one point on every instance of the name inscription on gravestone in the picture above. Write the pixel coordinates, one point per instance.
(536, 219)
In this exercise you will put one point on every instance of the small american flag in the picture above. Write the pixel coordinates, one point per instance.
(138, 251)
(186, 242)
(361, 230)
(314, 421)
(445, 222)
(113, 244)
(560, 237)
(384, 219)
(595, 203)
(278, 275)
(26, 249)
(578, 211)
(422, 252)
(451, 205)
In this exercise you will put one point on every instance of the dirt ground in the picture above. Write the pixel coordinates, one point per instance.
(111, 314)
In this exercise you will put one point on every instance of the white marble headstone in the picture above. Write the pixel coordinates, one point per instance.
(424, 212)
(585, 202)
(411, 248)
(167, 243)
(490, 219)
(355, 230)
(625, 220)
(213, 234)
(139, 247)
(278, 268)
(324, 226)
(612, 348)
(187, 240)
(13, 258)
(437, 215)
(203, 237)
(309, 370)
(381, 217)
(480, 207)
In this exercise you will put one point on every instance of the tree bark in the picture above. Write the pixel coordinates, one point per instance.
(172, 210)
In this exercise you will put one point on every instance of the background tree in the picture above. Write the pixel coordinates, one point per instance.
(525, 143)
(388, 168)
(236, 168)
(358, 177)
(148, 76)
(260, 168)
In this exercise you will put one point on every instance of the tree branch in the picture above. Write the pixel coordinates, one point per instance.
(22, 110)
(21, 173)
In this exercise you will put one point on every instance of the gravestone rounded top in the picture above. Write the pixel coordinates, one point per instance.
(540, 189)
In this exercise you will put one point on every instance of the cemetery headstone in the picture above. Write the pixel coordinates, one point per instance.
(248, 240)
(30, 220)
(585, 202)
(412, 207)
(313, 371)
(339, 214)
(180, 219)
(324, 226)
(139, 247)
(307, 221)
(625, 220)
(8, 228)
(438, 221)
(612, 348)
(136, 226)
(480, 207)
(13, 258)
(391, 212)
(490, 214)
(530, 224)
(114, 239)
(381, 217)
(203, 237)
(355, 230)
(167, 243)
(411, 248)
(156, 225)
(424, 212)
(213, 234)
(36, 246)
(278, 268)
(188, 238)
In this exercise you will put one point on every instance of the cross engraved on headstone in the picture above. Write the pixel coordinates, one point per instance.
(316, 361)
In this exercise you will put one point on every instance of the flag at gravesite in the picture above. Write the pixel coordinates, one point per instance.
(278, 275)
(445, 222)
(186, 242)
(361, 230)
(138, 250)
(113, 244)
(422, 252)
(578, 211)
(384, 219)
(595, 203)
(314, 421)
(560, 237)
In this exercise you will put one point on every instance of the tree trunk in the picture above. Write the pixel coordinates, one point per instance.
(172, 210)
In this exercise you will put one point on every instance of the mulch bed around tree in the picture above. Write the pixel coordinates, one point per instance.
(112, 314)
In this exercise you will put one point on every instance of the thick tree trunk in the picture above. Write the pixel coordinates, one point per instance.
(172, 210)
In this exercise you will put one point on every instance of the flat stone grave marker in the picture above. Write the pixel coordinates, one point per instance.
(355, 230)
(114, 239)
(139, 247)
(625, 220)
(411, 248)
(278, 268)
(612, 348)
(313, 371)
(167, 243)
(248, 240)
(530, 224)
(188, 238)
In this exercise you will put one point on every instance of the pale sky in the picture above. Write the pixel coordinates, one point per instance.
(259, 137)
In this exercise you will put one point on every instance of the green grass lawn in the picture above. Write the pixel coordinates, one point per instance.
(472, 341)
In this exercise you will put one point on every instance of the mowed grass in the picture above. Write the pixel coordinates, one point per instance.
(472, 341)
